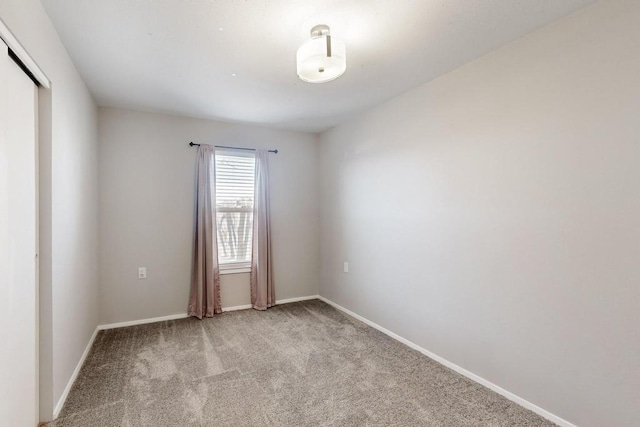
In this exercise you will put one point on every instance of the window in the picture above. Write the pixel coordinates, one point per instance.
(234, 209)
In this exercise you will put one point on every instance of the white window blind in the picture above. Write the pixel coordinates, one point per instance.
(234, 208)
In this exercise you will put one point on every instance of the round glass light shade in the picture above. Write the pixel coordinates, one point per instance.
(315, 66)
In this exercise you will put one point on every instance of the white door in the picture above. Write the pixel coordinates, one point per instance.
(18, 263)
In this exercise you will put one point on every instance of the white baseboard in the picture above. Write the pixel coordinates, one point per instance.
(513, 397)
(143, 321)
(185, 315)
(236, 308)
(280, 301)
(67, 389)
(288, 300)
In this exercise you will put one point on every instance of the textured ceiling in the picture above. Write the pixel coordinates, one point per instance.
(235, 59)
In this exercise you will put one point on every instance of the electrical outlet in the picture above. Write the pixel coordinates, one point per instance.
(346, 267)
(142, 272)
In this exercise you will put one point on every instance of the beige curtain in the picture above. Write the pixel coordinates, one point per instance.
(204, 300)
(262, 290)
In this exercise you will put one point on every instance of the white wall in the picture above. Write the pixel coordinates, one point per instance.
(492, 216)
(147, 173)
(68, 204)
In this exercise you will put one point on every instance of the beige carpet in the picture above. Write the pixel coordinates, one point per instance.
(294, 365)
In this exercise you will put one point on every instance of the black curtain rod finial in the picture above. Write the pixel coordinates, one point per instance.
(191, 144)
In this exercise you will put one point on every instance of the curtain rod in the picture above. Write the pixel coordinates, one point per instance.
(193, 144)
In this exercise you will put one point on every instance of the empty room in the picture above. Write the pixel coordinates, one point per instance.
(319, 213)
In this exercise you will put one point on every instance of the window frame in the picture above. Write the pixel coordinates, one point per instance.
(233, 267)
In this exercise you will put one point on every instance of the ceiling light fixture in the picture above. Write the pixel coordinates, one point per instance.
(321, 58)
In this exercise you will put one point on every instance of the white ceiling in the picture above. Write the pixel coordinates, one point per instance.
(235, 59)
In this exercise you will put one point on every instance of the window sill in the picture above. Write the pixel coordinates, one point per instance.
(235, 270)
